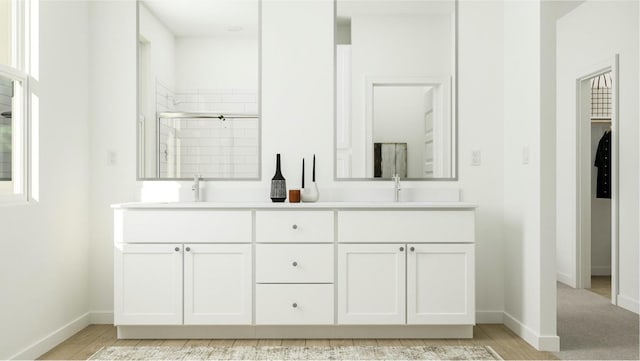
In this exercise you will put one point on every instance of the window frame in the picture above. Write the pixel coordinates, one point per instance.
(20, 189)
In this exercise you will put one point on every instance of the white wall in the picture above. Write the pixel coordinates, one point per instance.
(44, 276)
(480, 122)
(298, 77)
(112, 89)
(581, 46)
(522, 181)
(5, 33)
(396, 47)
(529, 168)
(550, 12)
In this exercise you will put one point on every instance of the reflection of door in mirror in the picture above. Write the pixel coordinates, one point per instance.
(198, 73)
(395, 83)
(412, 115)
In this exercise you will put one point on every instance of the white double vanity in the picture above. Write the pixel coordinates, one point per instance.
(309, 270)
(319, 270)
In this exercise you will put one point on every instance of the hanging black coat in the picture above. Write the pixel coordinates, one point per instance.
(603, 163)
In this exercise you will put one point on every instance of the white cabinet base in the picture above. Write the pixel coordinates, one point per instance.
(295, 332)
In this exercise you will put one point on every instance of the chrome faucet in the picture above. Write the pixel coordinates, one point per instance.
(196, 188)
(396, 182)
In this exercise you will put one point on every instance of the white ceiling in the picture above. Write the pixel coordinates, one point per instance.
(206, 17)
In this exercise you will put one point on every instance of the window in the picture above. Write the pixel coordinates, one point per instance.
(18, 116)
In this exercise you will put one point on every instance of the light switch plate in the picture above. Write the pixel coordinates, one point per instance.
(112, 157)
(476, 158)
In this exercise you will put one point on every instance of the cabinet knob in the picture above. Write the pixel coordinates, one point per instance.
(295, 305)
(177, 249)
(188, 249)
(401, 249)
(295, 226)
(412, 249)
(294, 264)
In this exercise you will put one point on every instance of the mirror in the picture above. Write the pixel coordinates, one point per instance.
(395, 89)
(198, 89)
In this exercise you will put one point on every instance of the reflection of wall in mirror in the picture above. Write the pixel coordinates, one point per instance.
(228, 62)
(343, 111)
(428, 149)
(157, 65)
(394, 46)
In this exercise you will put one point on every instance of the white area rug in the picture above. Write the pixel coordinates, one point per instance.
(297, 353)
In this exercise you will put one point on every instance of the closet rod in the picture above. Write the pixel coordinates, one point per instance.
(600, 121)
(205, 115)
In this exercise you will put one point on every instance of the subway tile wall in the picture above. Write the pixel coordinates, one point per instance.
(213, 148)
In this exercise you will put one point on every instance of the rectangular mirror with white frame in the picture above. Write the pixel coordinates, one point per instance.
(395, 89)
(198, 89)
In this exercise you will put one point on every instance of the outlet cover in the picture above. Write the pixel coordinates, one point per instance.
(525, 155)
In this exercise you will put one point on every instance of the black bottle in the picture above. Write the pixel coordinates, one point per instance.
(278, 184)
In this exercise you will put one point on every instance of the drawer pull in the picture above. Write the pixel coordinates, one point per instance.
(187, 249)
(412, 249)
(295, 305)
(295, 226)
(401, 249)
(294, 264)
(177, 249)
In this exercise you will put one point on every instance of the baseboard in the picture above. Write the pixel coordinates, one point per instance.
(601, 270)
(566, 279)
(106, 317)
(490, 317)
(101, 317)
(293, 331)
(50, 341)
(541, 343)
(628, 303)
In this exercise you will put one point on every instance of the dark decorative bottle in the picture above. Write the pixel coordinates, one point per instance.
(278, 184)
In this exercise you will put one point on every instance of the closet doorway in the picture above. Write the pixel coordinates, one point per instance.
(597, 175)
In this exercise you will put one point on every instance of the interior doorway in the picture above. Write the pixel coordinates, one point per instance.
(597, 188)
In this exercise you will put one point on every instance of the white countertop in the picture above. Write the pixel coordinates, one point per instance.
(287, 205)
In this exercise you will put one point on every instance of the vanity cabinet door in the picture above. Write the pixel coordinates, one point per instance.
(371, 284)
(148, 284)
(440, 284)
(217, 284)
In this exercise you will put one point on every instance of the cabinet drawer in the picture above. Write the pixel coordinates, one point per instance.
(437, 226)
(294, 263)
(294, 226)
(186, 226)
(294, 304)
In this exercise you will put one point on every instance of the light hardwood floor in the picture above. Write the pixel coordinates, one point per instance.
(86, 342)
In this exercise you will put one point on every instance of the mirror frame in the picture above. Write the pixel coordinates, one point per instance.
(454, 108)
(140, 177)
